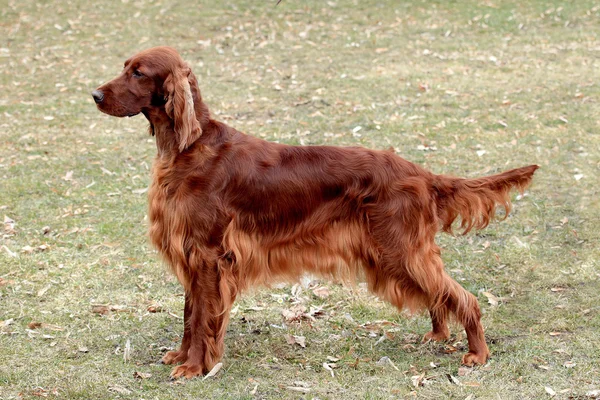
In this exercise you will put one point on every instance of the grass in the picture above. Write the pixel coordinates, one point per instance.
(462, 87)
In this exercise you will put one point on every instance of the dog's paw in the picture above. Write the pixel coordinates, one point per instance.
(174, 357)
(470, 359)
(186, 371)
(436, 336)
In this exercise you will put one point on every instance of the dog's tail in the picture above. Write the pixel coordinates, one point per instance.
(475, 200)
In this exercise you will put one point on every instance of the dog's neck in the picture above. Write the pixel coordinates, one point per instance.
(163, 128)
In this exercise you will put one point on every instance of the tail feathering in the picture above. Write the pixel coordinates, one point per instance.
(475, 200)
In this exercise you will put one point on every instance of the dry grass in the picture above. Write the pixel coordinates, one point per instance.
(464, 87)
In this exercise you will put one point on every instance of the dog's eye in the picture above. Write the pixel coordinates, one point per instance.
(136, 74)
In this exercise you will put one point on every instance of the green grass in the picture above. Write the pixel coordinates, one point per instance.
(516, 79)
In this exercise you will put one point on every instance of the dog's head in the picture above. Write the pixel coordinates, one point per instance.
(154, 82)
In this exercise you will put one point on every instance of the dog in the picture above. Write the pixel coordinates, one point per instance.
(228, 210)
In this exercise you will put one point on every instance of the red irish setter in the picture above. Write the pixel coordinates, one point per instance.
(228, 210)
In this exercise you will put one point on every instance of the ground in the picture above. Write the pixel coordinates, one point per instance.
(462, 87)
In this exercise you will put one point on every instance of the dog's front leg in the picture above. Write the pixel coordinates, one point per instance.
(180, 356)
(209, 315)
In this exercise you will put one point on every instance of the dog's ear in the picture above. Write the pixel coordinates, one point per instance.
(180, 108)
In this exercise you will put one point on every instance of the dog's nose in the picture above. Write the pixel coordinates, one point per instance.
(98, 96)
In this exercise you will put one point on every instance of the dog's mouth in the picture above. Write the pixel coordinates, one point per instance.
(117, 113)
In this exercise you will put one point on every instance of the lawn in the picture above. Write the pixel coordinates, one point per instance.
(466, 88)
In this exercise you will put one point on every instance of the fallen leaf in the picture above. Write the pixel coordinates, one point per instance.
(213, 371)
(550, 391)
(328, 368)
(100, 309)
(493, 300)
(141, 375)
(385, 360)
(454, 380)
(449, 349)
(299, 340)
(34, 325)
(105, 309)
(294, 314)
(321, 292)
(154, 308)
(569, 364)
(417, 380)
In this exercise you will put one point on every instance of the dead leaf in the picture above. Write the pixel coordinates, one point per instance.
(154, 308)
(385, 360)
(213, 371)
(294, 314)
(34, 325)
(328, 368)
(9, 225)
(569, 364)
(321, 292)
(417, 380)
(493, 300)
(105, 309)
(449, 349)
(299, 340)
(100, 309)
(141, 375)
(454, 380)
(550, 391)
